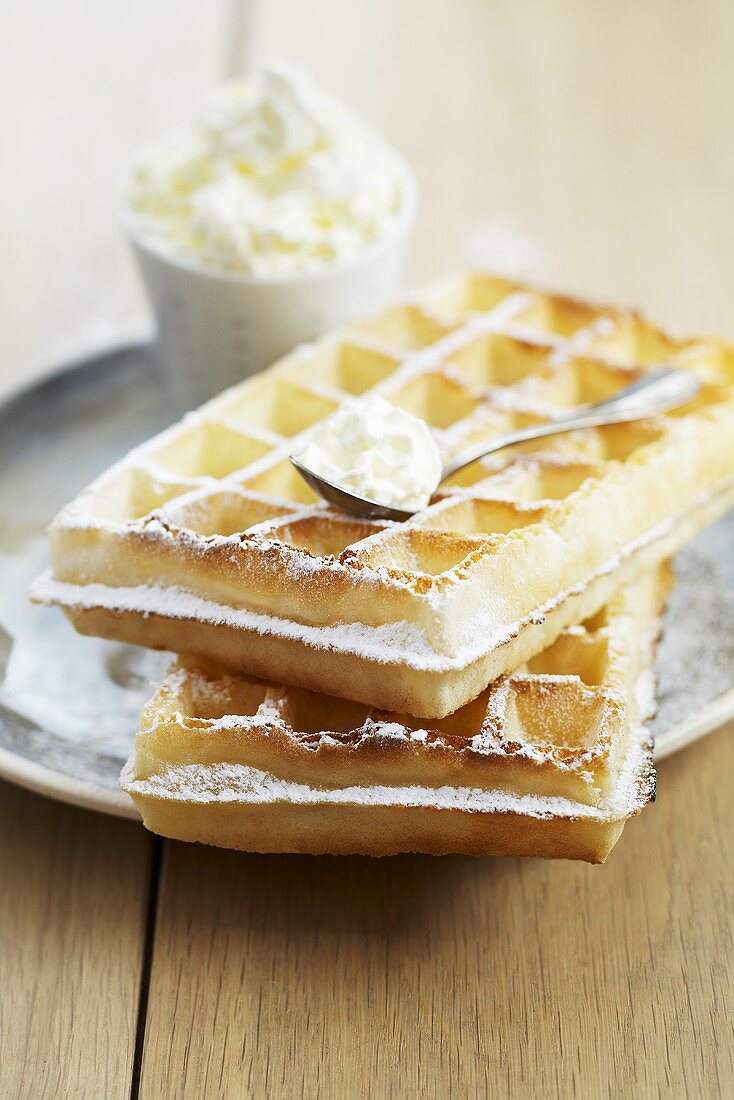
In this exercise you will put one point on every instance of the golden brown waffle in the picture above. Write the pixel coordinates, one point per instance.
(205, 540)
(549, 761)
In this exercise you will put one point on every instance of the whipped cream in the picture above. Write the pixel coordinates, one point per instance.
(275, 177)
(377, 451)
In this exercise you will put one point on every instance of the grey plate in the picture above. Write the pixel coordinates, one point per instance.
(68, 705)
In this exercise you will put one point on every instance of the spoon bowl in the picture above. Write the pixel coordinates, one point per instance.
(345, 500)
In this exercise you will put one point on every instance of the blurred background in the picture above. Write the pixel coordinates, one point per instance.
(584, 144)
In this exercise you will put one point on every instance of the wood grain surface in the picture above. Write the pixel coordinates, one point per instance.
(74, 890)
(588, 145)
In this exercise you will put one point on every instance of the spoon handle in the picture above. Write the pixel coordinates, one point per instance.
(658, 390)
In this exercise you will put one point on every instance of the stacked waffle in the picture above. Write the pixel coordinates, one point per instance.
(536, 572)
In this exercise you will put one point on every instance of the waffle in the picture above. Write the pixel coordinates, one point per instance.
(205, 540)
(549, 761)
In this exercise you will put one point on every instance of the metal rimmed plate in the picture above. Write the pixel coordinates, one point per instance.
(69, 705)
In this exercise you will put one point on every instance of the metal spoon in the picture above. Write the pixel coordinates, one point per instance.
(660, 389)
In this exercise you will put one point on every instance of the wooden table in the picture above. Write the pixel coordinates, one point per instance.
(590, 144)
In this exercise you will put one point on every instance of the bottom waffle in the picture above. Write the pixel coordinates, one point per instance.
(550, 761)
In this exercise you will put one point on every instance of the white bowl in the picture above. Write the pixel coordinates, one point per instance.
(215, 328)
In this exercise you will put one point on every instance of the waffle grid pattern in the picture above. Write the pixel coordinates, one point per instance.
(559, 740)
(214, 507)
(560, 719)
(475, 359)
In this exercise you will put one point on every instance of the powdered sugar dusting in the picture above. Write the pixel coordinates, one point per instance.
(84, 690)
(696, 652)
(239, 783)
(387, 643)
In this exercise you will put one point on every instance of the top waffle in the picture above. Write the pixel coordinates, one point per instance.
(205, 540)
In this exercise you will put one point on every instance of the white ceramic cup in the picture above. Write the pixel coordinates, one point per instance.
(215, 328)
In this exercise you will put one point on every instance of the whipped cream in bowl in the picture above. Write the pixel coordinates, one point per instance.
(276, 215)
(274, 178)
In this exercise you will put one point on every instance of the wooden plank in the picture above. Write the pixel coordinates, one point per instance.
(290, 976)
(73, 901)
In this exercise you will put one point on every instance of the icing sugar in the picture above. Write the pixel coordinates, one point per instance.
(401, 639)
(696, 652)
(398, 642)
(83, 689)
(227, 783)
